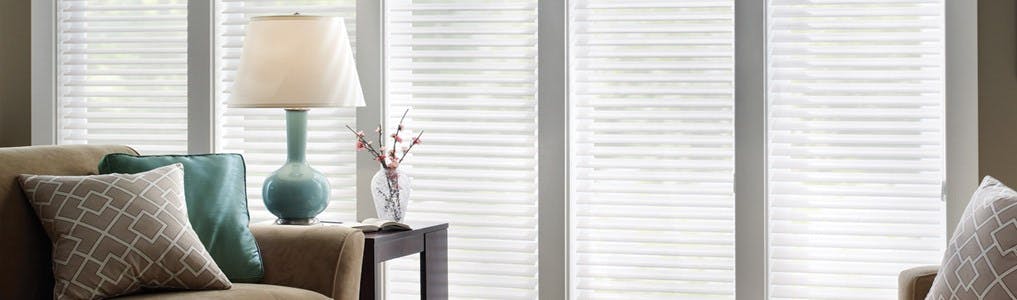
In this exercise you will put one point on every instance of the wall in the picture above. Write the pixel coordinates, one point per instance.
(997, 90)
(15, 73)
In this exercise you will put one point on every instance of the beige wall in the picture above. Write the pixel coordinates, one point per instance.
(997, 89)
(15, 73)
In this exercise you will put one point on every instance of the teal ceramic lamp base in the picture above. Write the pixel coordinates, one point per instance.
(296, 193)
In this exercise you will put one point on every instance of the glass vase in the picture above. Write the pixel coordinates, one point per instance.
(391, 191)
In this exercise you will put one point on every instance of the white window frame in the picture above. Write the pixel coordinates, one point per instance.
(555, 280)
(44, 55)
(961, 108)
(370, 66)
(751, 273)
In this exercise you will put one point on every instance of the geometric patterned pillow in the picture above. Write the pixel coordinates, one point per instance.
(981, 259)
(117, 234)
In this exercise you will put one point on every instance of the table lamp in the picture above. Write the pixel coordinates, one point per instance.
(296, 62)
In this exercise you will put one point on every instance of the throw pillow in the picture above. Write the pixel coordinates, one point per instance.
(216, 192)
(981, 257)
(119, 233)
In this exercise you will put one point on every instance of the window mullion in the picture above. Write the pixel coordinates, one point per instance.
(961, 108)
(370, 62)
(200, 114)
(44, 62)
(552, 157)
(750, 150)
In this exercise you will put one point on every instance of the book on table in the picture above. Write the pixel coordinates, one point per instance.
(373, 224)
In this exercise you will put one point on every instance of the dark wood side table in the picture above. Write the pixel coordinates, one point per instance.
(428, 239)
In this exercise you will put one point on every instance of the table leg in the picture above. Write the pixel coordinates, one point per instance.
(370, 277)
(434, 266)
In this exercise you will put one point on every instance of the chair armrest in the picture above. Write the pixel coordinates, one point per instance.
(914, 283)
(322, 258)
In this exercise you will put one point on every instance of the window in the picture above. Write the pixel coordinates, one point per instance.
(652, 100)
(851, 95)
(260, 134)
(856, 143)
(121, 76)
(467, 69)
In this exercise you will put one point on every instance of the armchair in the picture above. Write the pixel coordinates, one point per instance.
(914, 283)
(324, 259)
(301, 262)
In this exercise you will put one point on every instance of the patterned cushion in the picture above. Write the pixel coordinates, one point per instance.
(981, 258)
(119, 233)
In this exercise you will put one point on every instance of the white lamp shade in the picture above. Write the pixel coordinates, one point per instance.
(296, 62)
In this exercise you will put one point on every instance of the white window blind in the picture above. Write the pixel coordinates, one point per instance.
(260, 134)
(468, 70)
(855, 145)
(122, 74)
(652, 104)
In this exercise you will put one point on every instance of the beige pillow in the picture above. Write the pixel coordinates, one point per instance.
(981, 259)
(117, 234)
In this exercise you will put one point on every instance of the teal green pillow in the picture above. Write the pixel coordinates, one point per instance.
(216, 191)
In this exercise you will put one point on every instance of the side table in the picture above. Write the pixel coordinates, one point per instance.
(428, 239)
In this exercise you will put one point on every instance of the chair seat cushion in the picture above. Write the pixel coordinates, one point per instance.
(239, 291)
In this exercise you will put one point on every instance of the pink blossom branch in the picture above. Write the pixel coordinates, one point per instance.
(368, 147)
(414, 143)
(380, 154)
(395, 137)
(381, 132)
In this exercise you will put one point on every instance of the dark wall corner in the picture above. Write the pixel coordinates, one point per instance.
(997, 90)
(15, 73)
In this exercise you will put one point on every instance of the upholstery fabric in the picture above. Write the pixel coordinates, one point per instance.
(980, 261)
(245, 291)
(118, 233)
(322, 258)
(30, 275)
(216, 194)
(914, 283)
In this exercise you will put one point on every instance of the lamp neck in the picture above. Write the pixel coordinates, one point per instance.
(296, 135)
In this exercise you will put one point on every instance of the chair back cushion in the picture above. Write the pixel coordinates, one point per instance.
(27, 269)
(216, 193)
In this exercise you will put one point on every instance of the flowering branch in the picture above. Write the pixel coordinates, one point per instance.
(364, 144)
(382, 153)
(395, 136)
(390, 160)
(381, 132)
(416, 141)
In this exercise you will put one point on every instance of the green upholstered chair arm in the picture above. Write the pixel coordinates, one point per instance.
(322, 258)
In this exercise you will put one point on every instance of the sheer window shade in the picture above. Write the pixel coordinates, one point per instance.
(122, 74)
(856, 145)
(260, 134)
(652, 104)
(468, 71)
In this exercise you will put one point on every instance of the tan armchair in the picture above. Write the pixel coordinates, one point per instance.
(301, 262)
(324, 259)
(914, 283)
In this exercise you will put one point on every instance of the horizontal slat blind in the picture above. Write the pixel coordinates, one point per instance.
(652, 100)
(856, 145)
(468, 71)
(260, 134)
(122, 74)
